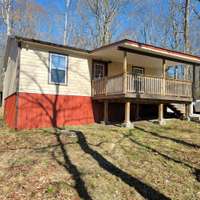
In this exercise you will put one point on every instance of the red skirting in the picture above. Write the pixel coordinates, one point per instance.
(10, 110)
(43, 110)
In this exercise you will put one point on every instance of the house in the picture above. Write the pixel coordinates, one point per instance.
(48, 84)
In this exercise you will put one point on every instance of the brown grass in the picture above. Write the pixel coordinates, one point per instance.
(101, 162)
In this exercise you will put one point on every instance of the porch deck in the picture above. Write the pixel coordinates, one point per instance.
(142, 87)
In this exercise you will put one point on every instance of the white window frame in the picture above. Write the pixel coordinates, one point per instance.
(66, 57)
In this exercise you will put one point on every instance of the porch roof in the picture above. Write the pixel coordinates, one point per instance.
(114, 52)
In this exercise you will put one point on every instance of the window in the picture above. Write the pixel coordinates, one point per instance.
(171, 72)
(99, 70)
(138, 71)
(176, 72)
(58, 68)
(138, 83)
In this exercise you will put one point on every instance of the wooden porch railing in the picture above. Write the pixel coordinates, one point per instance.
(142, 85)
(178, 88)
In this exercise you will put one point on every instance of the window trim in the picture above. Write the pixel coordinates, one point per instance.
(66, 67)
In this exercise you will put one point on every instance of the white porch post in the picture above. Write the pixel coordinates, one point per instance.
(125, 67)
(194, 82)
(164, 75)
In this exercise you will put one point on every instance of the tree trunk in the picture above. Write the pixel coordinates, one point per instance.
(186, 26)
(65, 38)
(8, 21)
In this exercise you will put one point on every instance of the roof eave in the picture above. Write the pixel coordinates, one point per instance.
(65, 47)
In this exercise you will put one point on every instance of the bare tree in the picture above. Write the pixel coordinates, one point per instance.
(6, 6)
(196, 12)
(174, 23)
(19, 17)
(186, 25)
(99, 17)
(27, 17)
(195, 27)
(66, 33)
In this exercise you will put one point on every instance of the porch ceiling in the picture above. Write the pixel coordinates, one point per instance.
(114, 55)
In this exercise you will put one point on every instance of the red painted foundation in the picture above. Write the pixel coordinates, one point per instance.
(10, 110)
(43, 110)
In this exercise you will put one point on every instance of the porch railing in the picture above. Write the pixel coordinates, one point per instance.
(142, 85)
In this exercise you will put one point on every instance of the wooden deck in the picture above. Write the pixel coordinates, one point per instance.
(142, 87)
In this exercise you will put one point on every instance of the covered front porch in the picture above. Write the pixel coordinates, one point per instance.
(129, 74)
(132, 75)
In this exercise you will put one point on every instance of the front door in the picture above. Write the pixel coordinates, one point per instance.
(138, 73)
(99, 70)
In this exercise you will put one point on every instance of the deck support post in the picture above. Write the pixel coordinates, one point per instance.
(127, 122)
(105, 118)
(187, 111)
(137, 111)
(161, 114)
(125, 66)
(191, 108)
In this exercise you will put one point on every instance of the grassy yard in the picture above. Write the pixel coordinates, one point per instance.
(102, 162)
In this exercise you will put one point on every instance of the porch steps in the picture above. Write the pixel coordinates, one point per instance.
(195, 117)
(178, 109)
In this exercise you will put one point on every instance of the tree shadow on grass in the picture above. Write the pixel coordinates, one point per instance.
(72, 169)
(196, 171)
(144, 189)
(168, 138)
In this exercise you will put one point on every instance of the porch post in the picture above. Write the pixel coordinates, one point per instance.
(164, 75)
(127, 122)
(194, 83)
(125, 66)
(105, 118)
(161, 114)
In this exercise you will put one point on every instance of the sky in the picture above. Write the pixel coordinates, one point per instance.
(135, 20)
(130, 17)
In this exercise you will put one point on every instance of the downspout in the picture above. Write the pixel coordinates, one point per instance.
(17, 85)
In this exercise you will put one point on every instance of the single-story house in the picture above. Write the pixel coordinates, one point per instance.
(47, 84)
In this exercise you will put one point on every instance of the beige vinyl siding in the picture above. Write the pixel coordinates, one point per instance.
(10, 79)
(34, 74)
(115, 68)
(152, 68)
